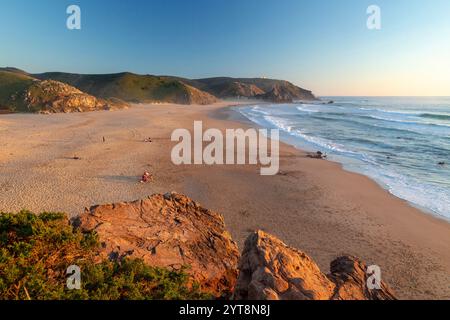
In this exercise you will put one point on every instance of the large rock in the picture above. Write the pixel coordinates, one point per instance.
(168, 231)
(50, 96)
(270, 270)
(350, 277)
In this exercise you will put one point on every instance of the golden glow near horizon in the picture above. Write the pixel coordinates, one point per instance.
(415, 72)
(431, 78)
(416, 65)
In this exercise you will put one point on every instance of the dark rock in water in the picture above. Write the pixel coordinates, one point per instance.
(330, 102)
(317, 155)
(442, 163)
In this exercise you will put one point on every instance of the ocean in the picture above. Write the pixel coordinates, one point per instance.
(403, 143)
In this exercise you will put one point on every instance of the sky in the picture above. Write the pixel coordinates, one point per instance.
(321, 45)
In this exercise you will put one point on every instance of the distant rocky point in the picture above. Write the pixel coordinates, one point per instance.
(270, 90)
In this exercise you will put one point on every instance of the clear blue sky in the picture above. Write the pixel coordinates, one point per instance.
(322, 45)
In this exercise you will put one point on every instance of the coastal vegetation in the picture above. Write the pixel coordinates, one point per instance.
(11, 85)
(133, 88)
(36, 250)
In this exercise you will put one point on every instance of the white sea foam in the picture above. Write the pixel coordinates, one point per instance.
(394, 175)
(307, 108)
(418, 122)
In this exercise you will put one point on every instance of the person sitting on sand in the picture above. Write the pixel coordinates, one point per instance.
(146, 177)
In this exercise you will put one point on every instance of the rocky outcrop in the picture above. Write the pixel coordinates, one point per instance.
(50, 96)
(173, 231)
(350, 277)
(196, 96)
(253, 88)
(168, 231)
(270, 270)
(279, 94)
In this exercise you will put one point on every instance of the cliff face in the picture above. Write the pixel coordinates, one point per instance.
(253, 88)
(279, 94)
(172, 231)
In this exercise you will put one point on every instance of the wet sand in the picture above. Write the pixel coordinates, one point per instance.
(60, 163)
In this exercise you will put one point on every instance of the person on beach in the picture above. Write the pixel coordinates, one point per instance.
(146, 177)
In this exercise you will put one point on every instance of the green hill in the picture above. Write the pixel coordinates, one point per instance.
(136, 88)
(147, 88)
(133, 88)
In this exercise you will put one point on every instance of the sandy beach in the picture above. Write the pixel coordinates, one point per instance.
(62, 163)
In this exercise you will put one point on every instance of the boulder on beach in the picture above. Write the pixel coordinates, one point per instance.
(271, 270)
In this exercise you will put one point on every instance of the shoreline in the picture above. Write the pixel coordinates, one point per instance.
(316, 206)
(237, 116)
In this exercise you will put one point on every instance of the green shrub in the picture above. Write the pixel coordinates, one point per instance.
(36, 250)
